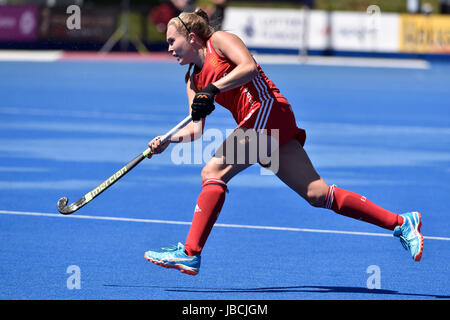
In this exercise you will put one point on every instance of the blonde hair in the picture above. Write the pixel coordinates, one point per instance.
(196, 22)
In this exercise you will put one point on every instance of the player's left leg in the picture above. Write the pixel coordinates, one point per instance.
(296, 171)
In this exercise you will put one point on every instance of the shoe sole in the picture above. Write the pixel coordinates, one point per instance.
(170, 266)
(418, 256)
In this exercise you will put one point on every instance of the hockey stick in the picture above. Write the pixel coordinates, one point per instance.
(68, 209)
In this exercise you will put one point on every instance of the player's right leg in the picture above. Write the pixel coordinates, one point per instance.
(222, 167)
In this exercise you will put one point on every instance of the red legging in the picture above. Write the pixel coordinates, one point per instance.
(209, 204)
(353, 205)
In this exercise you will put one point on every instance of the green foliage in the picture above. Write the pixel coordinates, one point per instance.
(361, 5)
(331, 5)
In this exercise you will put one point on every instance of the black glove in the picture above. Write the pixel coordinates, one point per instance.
(203, 103)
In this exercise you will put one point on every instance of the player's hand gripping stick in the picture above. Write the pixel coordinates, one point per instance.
(203, 103)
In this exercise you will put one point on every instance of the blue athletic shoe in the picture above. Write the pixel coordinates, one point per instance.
(175, 258)
(409, 234)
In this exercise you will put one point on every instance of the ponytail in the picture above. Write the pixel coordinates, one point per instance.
(188, 73)
(203, 14)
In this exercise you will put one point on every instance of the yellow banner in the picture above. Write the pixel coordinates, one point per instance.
(424, 34)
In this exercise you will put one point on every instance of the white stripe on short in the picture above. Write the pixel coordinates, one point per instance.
(266, 103)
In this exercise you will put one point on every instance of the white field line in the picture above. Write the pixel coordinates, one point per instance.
(343, 61)
(56, 55)
(30, 56)
(239, 226)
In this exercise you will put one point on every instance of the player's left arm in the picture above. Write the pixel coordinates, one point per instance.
(232, 47)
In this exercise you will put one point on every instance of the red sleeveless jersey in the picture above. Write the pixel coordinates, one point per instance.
(241, 101)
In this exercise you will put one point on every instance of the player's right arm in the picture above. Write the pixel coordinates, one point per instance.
(190, 132)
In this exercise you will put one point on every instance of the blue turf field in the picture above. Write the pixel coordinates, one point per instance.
(67, 126)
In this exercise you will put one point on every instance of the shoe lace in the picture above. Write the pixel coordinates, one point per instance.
(404, 242)
(171, 249)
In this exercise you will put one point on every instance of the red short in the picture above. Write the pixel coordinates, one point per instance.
(275, 115)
